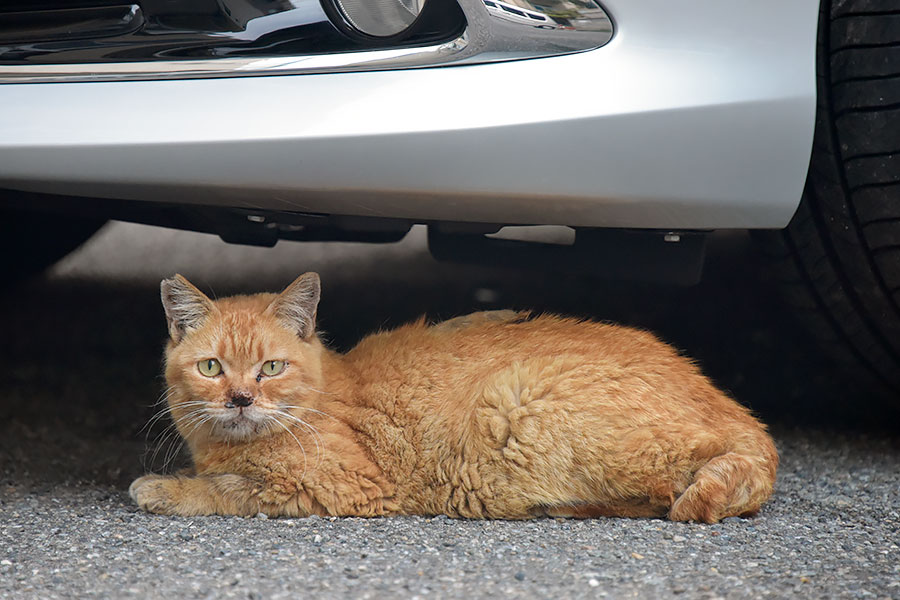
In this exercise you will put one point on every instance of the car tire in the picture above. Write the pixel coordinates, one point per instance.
(31, 241)
(839, 258)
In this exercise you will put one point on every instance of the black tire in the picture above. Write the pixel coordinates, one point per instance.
(32, 241)
(839, 258)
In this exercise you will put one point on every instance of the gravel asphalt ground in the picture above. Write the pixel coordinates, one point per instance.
(81, 362)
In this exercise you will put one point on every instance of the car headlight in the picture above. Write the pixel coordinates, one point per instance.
(380, 18)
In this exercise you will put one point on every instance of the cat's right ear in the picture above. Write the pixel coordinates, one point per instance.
(296, 306)
(186, 307)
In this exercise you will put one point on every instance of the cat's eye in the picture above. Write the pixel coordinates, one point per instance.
(209, 367)
(272, 367)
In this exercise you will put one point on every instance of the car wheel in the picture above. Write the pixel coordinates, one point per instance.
(839, 258)
(32, 241)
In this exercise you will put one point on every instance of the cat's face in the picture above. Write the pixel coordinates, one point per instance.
(240, 367)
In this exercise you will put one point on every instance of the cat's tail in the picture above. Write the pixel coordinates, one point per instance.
(734, 484)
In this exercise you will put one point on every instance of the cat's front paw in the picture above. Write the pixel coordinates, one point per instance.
(154, 493)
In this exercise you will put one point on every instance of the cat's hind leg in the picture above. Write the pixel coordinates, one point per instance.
(728, 485)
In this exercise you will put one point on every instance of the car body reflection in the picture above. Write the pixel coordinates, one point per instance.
(582, 15)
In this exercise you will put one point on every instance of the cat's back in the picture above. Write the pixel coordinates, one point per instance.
(492, 338)
(452, 369)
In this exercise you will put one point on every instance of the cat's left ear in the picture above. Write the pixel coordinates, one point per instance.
(296, 306)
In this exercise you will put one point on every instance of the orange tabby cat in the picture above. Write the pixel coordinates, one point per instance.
(497, 414)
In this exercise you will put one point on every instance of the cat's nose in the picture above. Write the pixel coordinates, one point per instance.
(240, 400)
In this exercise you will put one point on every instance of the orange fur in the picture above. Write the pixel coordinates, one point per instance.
(498, 415)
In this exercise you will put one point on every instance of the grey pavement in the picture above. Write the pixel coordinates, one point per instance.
(81, 362)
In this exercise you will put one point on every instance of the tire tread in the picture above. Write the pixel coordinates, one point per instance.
(839, 258)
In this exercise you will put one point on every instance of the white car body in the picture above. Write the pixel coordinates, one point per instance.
(695, 115)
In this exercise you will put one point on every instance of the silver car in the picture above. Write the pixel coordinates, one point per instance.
(642, 125)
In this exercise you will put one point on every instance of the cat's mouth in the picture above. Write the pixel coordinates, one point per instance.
(240, 422)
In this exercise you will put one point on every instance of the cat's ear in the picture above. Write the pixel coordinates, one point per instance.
(186, 307)
(296, 305)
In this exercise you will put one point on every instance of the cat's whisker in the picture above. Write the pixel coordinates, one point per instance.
(171, 455)
(296, 439)
(170, 438)
(320, 443)
(160, 413)
(170, 434)
(166, 437)
(312, 389)
(164, 395)
(195, 424)
(171, 428)
(317, 438)
(301, 422)
(153, 420)
(313, 410)
(197, 421)
(167, 410)
(198, 406)
(186, 419)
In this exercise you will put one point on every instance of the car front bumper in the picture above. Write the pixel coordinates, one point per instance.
(692, 117)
